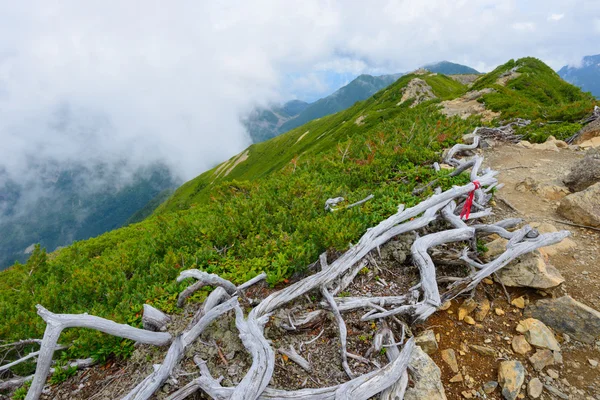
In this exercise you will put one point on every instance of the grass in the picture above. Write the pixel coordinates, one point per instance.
(266, 215)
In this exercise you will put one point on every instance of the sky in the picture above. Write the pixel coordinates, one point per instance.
(102, 81)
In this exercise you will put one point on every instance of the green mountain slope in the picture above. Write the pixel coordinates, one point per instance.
(264, 213)
(586, 76)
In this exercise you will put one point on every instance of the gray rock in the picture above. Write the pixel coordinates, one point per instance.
(538, 334)
(566, 315)
(582, 207)
(529, 270)
(541, 359)
(511, 375)
(535, 388)
(556, 392)
(427, 342)
(585, 172)
(490, 386)
(426, 377)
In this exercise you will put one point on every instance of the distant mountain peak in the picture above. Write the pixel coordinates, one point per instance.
(449, 68)
(586, 76)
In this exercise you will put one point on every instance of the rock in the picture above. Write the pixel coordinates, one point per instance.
(529, 270)
(490, 386)
(592, 143)
(499, 311)
(456, 378)
(426, 377)
(519, 302)
(417, 89)
(482, 310)
(552, 373)
(466, 394)
(535, 388)
(427, 342)
(547, 190)
(582, 207)
(520, 345)
(449, 357)
(538, 334)
(556, 392)
(585, 172)
(465, 309)
(564, 246)
(541, 359)
(525, 144)
(469, 320)
(487, 281)
(547, 145)
(483, 350)
(446, 305)
(593, 363)
(511, 375)
(566, 315)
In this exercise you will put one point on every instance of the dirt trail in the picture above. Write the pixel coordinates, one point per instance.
(581, 267)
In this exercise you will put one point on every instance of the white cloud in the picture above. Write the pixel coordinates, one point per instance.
(524, 26)
(556, 17)
(152, 81)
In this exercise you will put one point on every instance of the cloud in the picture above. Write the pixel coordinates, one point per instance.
(556, 17)
(524, 26)
(97, 81)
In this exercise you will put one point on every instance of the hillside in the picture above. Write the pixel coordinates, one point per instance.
(266, 123)
(586, 76)
(263, 209)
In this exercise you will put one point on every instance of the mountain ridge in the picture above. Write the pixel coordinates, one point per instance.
(586, 76)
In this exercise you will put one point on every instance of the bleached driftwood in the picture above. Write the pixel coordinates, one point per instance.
(417, 304)
(308, 320)
(154, 381)
(154, 319)
(55, 323)
(330, 203)
(25, 358)
(204, 279)
(341, 328)
(293, 355)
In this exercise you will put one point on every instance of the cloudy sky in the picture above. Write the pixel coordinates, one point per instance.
(148, 80)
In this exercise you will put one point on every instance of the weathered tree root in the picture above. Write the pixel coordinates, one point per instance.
(417, 304)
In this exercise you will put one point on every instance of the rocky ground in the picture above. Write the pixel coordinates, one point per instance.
(538, 336)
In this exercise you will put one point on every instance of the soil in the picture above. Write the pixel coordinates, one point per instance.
(391, 273)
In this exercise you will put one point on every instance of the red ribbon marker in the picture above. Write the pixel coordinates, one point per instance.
(466, 210)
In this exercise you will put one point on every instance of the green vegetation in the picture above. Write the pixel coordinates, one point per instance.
(267, 215)
(537, 94)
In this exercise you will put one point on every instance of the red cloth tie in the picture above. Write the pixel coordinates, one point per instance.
(466, 210)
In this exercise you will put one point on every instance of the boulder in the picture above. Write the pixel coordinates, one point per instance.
(529, 270)
(566, 315)
(426, 377)
(582, 207)
(520, 345)
(511, 375)
(449, 357)
(585, 172)
(538, 334)
(427, 342)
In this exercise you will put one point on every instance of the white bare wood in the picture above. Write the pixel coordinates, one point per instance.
(341, 327)
(154, 319)
(204, 279)
(293, 355)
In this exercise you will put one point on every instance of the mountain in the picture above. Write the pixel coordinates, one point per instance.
(363, 87)
(264, 123)
(73, 202)
(449, 68)
(587, 76)
(263, 210)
